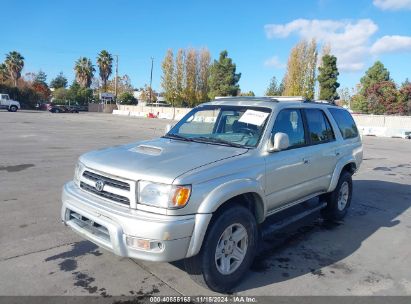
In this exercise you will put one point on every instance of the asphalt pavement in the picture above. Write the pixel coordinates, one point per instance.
(369, 253)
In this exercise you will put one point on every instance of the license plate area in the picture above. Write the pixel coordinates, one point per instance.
(89, 225)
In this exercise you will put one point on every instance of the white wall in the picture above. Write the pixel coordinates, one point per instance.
(377, 125)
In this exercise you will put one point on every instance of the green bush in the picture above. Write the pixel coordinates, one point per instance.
(127, 98)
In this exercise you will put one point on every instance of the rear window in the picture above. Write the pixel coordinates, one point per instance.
(345, 123)
(320, 130)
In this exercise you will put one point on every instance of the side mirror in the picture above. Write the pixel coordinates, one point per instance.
(168, 128)
(278, 142)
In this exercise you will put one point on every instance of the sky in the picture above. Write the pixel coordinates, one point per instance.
(258, 35)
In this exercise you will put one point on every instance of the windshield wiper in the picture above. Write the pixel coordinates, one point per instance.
(176, 136)
(217, 141)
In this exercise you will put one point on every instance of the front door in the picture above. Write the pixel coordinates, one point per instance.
(287, 172)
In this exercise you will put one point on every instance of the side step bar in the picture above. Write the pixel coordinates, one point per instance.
(271, 228)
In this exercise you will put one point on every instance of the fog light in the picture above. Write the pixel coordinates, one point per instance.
(138, 243)
(143, 244)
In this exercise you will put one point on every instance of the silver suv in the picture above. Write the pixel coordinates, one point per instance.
(202, 191)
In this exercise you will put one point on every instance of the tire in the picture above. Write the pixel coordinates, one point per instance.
(339, 200)
(208, 268)
(13, 109)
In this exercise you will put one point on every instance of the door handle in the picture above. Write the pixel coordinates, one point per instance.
(306, 161)
(337, 153)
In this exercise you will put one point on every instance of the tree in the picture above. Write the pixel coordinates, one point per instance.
(376, 73)
(145, 94)
(310, 66)
(4, 75)
(84, 70)
(190, 87)
(179, 77)
(40, 85)
(79, 94)
(14, 63)
(59, 82)
(295, 70)
(405, 95)
(223, 80)
(105, 65)
(383, 98)
(274, 89)
(301, 66)
(60, 94)
(127, 98)
(359, 104)
(123, 85)
(345, 96)
(327, 78)
(41, 77)
(167, 79)
(249, 93)
(203, 75)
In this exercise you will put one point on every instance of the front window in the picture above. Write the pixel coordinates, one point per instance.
(222, 125)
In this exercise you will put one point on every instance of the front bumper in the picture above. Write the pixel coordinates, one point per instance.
(109, 225)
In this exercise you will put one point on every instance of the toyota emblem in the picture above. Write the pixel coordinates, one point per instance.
(99, 185)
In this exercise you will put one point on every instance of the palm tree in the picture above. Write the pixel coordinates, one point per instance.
(84, 70)
(14, 63)
(105, 65)
(4, 75)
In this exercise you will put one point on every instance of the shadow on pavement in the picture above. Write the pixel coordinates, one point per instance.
(310, 244)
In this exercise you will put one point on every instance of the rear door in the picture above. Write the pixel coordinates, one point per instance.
(321, 155)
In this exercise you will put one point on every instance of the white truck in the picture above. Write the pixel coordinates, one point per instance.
(8, 104)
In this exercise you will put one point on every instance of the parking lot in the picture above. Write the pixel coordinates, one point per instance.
(367, 254)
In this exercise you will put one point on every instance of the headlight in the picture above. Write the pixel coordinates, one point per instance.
(77, 173)
(163, 195)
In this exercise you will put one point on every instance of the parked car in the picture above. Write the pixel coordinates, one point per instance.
(9, 104)
(62, 109)
(202, 191)
(83, 108)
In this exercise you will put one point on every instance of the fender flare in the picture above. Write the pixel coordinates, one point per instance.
(338, 169)
(228, 190)
(214, 200)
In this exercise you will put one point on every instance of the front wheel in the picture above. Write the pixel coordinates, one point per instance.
(227, 252)
(13, 109)
(339, 200)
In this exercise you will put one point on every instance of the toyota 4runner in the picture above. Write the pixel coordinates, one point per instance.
(202, 191)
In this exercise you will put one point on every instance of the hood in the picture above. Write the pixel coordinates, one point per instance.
(160, 159)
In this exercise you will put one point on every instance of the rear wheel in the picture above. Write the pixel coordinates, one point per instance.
(13, 109)
(339, 200)
(227, 252)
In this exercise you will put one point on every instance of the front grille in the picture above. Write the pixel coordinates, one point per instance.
(105, 194)
(108, 181)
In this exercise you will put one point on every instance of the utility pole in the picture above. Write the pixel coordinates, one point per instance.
(151, 77)
(115, 80)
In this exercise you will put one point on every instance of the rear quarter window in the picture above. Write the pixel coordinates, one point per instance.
(345, 123)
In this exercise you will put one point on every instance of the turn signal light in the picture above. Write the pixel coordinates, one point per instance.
(181, 196)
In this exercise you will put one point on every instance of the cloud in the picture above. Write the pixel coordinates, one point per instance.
(349, 40)
(274, 62)
(392, 5)
(392, 44)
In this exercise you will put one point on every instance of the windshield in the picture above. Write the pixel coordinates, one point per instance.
(227, 125)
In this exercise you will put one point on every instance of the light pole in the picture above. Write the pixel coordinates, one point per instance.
(151, 77)
(115, 79)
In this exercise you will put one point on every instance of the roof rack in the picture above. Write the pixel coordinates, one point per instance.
(265, 98)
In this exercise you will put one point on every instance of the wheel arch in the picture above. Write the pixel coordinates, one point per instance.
(347, 164)
(247, 195)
